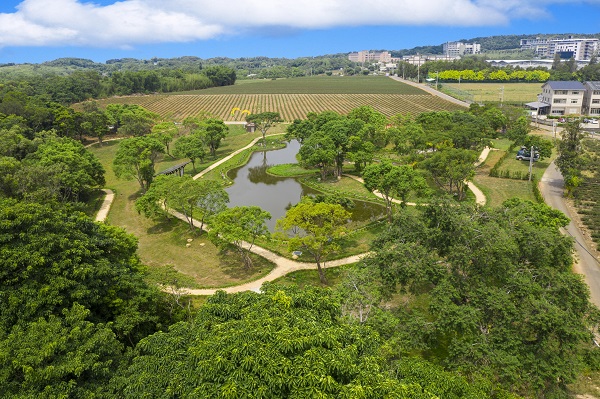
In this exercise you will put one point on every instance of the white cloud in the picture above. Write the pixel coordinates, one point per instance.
(130, 22)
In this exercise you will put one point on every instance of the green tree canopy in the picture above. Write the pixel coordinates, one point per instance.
(316, 228)
(240, 226)
(135, 158)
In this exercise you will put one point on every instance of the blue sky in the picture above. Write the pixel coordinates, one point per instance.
(42, 30)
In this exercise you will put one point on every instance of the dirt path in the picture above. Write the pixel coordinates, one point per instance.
(106, 204)
(283, 266)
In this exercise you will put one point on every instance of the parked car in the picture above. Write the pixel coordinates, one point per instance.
(524, 154)
(562, 120)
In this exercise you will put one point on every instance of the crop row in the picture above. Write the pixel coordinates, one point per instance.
(290, 106)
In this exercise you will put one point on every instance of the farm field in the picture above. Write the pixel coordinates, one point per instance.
(292, 98)
(491, 92)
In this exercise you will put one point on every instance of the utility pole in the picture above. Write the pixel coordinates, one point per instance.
(501, 96)
(437, 76)
(531, 155)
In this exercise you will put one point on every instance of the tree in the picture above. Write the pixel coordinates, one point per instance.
(569, 160)
(135, 158)
(95, 124)
(318, 150)
(392, 181)
(59, 355)
(212, 132)
(136, 123)
(54, 257)
(451, 169)
(494, 307)
(285, 343)
(541, 145)
(240, 226)
(191, 147)
(264, 121)
(77, 170)
(212, 201)
(165, 132)
(317, 227)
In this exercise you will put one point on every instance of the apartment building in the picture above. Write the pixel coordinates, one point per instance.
(591, 98)
(562, 98)
(455, 49)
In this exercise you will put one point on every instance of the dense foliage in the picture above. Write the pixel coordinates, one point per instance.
(489, 293)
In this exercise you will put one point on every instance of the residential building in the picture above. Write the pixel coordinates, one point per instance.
(454, 49)
(562, 98)
(591, 98)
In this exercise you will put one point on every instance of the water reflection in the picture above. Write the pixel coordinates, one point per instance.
(253, 186)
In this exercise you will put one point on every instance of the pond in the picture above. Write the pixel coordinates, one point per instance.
(253, 186)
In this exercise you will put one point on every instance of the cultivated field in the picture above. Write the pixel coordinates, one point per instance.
(292, 98)
(491, 92)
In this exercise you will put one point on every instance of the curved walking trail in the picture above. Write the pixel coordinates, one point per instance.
(106, 204)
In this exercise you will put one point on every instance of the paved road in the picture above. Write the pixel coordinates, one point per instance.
(430, 90)
(552, 188)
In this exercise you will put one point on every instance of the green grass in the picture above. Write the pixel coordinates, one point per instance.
(310, 278)
(291, 170)
(318, 85)
(490, 92)
(345, 186)
(497, 190)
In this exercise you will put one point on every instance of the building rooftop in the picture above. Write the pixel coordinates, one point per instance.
(565, 85)
(593, 85)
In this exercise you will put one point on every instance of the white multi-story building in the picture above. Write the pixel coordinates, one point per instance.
(577, 48)
(456, 49)
(420, 59)
(562, 97)
(371, 56)
(591, 99)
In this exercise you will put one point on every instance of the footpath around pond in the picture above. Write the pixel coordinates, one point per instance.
(283, 265)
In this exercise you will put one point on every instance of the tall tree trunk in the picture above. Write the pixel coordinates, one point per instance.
(321, 273)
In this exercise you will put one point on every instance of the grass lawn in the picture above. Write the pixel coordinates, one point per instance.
(491, 92)
(310, 278)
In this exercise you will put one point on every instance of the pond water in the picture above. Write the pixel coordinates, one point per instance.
(253, 186)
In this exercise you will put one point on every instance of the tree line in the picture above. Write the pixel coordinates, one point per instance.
(85, 84)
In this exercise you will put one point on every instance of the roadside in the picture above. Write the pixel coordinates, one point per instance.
(434, 92)
(586, 260)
